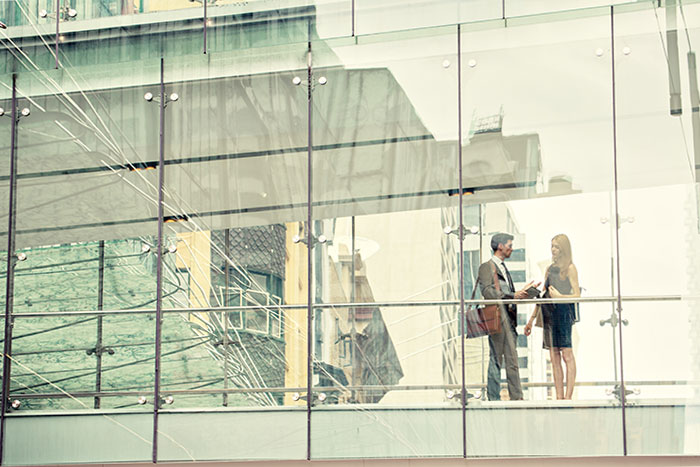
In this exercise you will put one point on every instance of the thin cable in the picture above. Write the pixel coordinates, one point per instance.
(685, 24)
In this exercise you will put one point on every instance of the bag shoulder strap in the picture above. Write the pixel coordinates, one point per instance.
(495, 281)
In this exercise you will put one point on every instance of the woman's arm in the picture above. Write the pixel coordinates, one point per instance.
(528, 326)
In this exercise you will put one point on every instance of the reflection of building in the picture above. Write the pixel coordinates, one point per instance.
(195, 277)
(363, 348)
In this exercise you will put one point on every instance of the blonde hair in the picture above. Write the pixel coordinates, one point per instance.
(565, 260)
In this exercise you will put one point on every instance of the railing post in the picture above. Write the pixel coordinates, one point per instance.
(159, 265)
(9, 285)
(100, 306)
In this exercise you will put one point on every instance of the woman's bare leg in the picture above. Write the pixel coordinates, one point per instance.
(570, 361)
(557, 371)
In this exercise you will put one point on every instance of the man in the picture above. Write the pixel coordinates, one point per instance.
(502, 345)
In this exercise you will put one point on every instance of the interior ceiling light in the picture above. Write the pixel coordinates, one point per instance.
(178, 218)
(465, 191)
(142, 166)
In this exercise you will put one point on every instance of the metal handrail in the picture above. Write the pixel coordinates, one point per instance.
(532, 301)
(319, 389)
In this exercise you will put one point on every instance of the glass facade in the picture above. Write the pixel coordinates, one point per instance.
(270, 230)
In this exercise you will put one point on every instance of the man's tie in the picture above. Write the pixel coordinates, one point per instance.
(510, 279)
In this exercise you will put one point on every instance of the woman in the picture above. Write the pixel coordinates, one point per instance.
(561, 281)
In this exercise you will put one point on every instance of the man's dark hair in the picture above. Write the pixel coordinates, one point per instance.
(500, 238)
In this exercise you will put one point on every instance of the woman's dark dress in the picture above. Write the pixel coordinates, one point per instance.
(557, 318)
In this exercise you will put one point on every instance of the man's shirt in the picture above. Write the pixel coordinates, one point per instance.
(502, 268)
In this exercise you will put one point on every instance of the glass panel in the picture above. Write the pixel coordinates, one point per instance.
(127, 279)
(537, 7)
(658, 152)
(86, 225)
(232, 24)
(239, 435)
(235, 183)
(124, 10)
(89, 151)
(99, 32)
(384, 172)
(334, 18)
(69, 373)
(537, 159)
(382, 387)
(86, 228)
(385, 169)
(123, 437)
(208, 362)
(374, 16)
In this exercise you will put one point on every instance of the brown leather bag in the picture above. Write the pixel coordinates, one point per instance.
(538, 317)
(483, 320)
